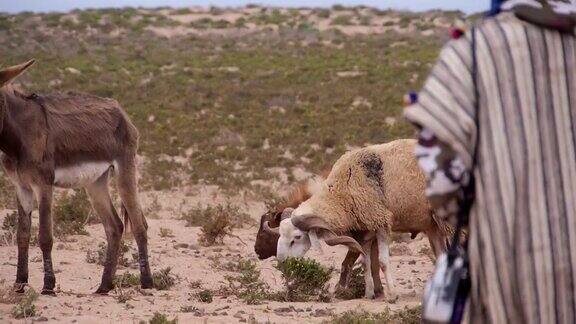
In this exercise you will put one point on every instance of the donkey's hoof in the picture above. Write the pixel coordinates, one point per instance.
(147, 283)
(103, 290)
(48, 292)
(19, 287)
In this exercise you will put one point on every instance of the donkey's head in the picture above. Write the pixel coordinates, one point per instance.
(6, 76)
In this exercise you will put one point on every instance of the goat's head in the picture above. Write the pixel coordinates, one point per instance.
(298, 233)
(6, 76)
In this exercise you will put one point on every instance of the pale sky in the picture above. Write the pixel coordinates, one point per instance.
(14, 6)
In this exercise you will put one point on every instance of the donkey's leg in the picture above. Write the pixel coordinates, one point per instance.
(128, 189)
(384, 259)
(347, 265)
(100, 198)
(25, 206)
(45, 238)
(375, 269)
(368, 280)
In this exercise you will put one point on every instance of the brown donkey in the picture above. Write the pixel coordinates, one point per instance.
(69, 141)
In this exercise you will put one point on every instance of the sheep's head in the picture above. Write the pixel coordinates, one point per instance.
(298, 233)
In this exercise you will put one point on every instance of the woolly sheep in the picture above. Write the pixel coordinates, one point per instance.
(379, 189)
(266, 241)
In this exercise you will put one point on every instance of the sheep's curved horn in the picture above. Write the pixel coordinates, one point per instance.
(287, 213)
(9, 73)
(347, 241)
(311, 222)
(324, 230)
(268, 229)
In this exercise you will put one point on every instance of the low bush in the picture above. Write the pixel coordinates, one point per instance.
(127, 280)
(408, 315)
(305, 279)
(10, 228)
(356, 286)
(71, 213)
(25, 307)
(159, 318)
(99, 256)
(166, 232)
(205, 296)
(164, 279)
(216, 221)
(247, 285)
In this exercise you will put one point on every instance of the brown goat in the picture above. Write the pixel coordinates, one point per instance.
(266, 241)
(69, 141)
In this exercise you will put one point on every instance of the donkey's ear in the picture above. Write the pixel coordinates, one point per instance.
(8, 74)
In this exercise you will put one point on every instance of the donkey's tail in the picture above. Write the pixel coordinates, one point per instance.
(126, 219)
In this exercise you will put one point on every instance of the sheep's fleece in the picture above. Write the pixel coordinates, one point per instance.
(372, 188)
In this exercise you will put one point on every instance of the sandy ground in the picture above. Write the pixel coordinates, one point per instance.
(77, 279)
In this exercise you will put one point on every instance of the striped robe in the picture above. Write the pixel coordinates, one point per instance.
(522, 240)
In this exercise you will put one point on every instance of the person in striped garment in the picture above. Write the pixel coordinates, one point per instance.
(519, 111)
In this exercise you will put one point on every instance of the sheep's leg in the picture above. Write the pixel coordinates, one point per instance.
(384, 259)
(99, 195)
(347, 266)
(375, 269)
(368, 280)
(45, 238)
(25, 206)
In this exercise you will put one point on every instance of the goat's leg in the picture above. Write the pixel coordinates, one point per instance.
(347, 266)
(45, 238)
(384, 259)
(25, 200)
(100, 198)
(128, 189)
(375, 269)
(368, 280)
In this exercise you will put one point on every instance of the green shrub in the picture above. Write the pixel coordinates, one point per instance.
(205, 296)
(25, 307)
(166, 232)
(321, 13)
(161, 174)
(305, 279)
(159, 318)
(127, 280)
(216, 221)
(356, 285)
(71, 213)
(343, 20)
(181, 11)
(164, 279)
(99, 256)
(247, 284)
(408, 315)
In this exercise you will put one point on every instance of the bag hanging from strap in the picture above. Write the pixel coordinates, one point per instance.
(447, 292)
